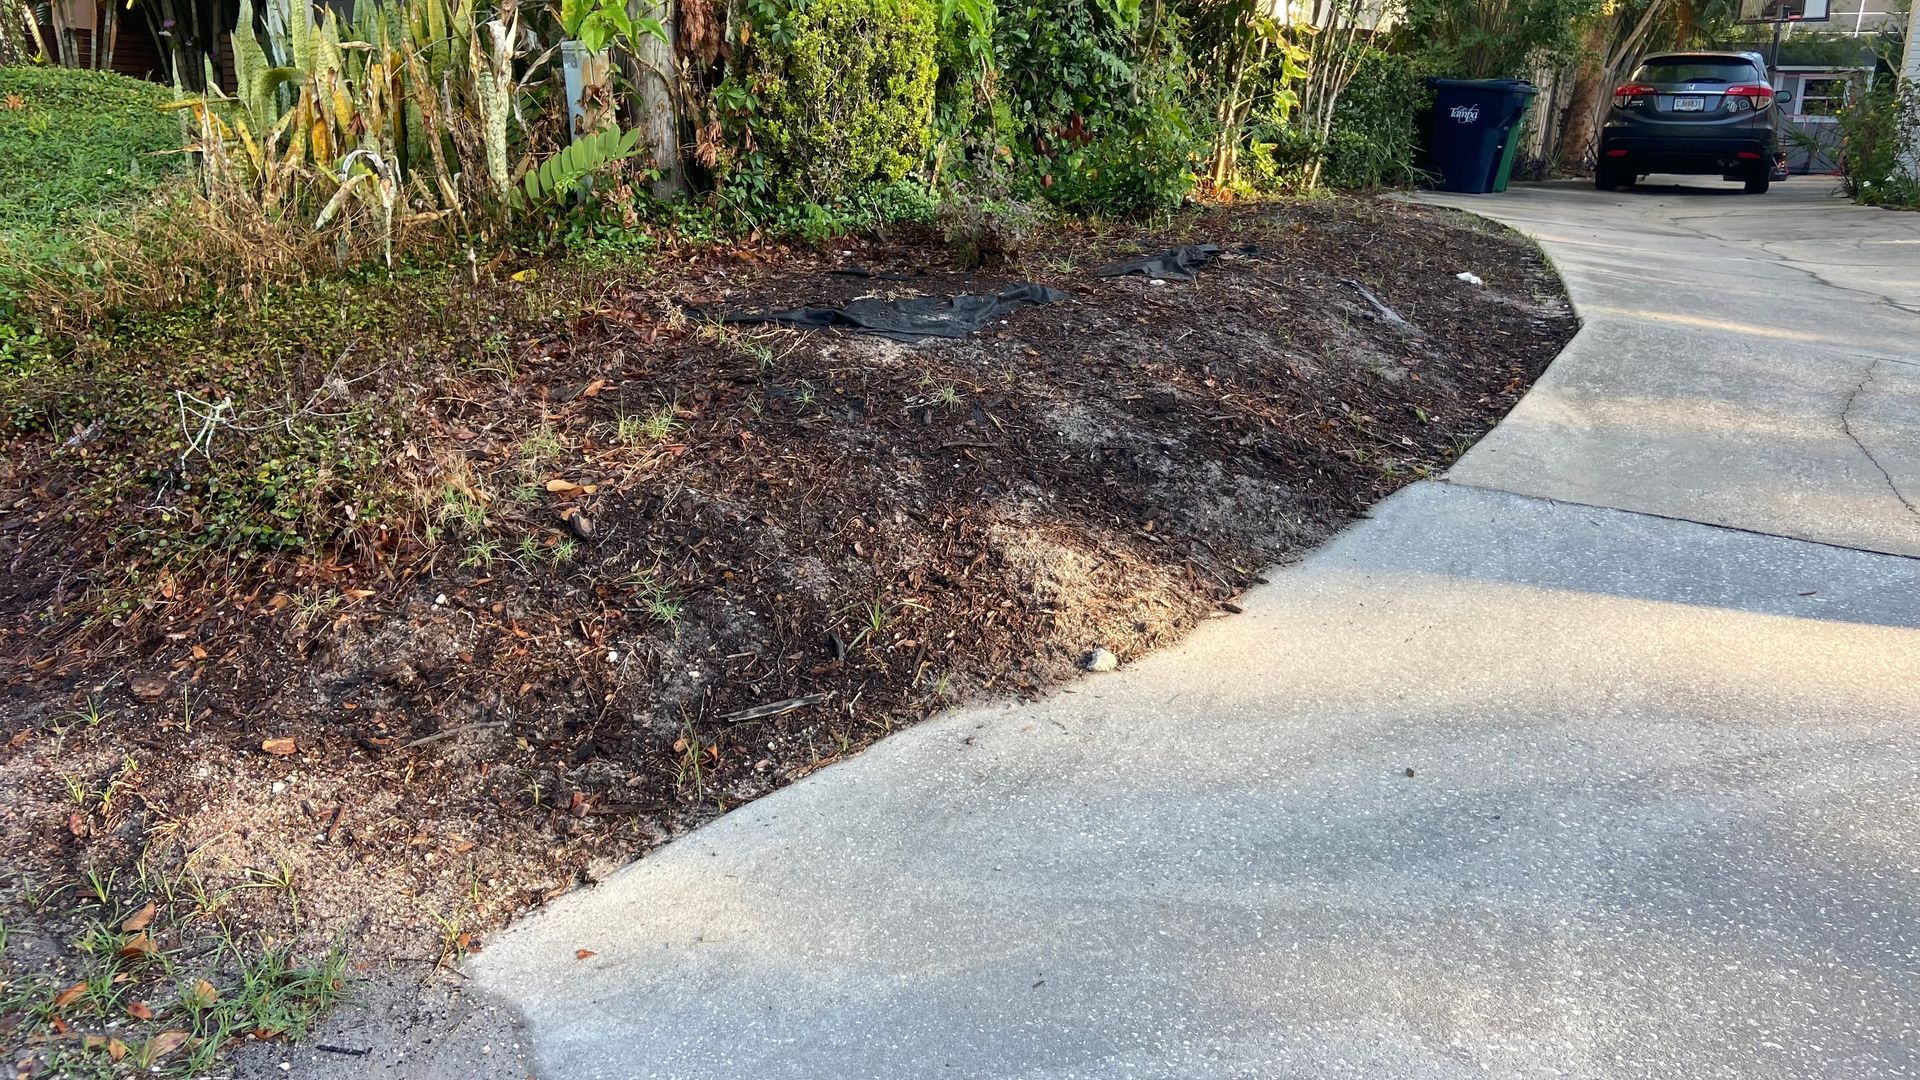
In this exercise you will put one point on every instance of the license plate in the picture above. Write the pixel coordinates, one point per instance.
(1689, 103)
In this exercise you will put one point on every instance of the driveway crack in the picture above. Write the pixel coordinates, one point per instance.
(1845, 426)
(1819, 278)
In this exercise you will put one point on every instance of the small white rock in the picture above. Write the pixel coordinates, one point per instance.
(1155, 282)
(1469, 277)
(440, 601)
(1100, 660)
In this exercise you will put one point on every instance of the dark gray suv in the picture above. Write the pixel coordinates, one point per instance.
(1691, 112)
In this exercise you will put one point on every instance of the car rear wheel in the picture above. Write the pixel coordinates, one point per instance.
(1611, 179)
(1758, 185)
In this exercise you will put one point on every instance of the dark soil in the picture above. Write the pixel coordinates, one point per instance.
(824, 536)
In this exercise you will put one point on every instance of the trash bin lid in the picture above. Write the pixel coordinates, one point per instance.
(1510, 86)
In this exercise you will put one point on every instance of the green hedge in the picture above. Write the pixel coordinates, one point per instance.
(845, 96)
(1095, 91)
(76, 147)
(1374, 141)
(1375, 137)
(81, 144)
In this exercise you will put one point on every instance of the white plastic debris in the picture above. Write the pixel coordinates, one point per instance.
(1469, 277)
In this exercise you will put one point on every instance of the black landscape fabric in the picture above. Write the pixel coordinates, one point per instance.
(1176, 265)
(914, 318)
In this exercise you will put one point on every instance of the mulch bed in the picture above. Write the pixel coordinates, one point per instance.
(833, 535)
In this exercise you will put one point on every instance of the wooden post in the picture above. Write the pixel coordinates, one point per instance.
(1909, 87)
(655, 73)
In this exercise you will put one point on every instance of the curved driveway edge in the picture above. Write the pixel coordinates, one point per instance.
(1745, 361)
(1492, 784)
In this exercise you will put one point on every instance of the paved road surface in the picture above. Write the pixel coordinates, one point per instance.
(1650, 653)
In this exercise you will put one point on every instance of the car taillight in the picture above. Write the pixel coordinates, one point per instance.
(1755, 97)
(1624, 94)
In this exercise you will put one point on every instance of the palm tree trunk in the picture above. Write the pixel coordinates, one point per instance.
(1589, 76)
(1627, 49)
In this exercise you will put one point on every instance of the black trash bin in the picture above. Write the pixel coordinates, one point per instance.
(1472, 120)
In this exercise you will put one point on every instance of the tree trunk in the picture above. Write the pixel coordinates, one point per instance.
(19, 34)
(1910, 78)
(655, 75)
(1589, 75)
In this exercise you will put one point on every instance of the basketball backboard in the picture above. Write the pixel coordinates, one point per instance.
(1773, 11)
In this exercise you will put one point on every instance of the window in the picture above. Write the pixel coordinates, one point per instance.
(1818, 97)
(1663, 70)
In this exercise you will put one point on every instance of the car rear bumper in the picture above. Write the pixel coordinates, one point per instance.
(1665, 154)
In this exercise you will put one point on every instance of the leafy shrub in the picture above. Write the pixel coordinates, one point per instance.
(1876, 127)
(986, 224)
(974, 128)
(1142, 164)
(1064, 58)
(1376, 125)
(839, 96)
(1373, 142)
(1486, 39)
(1097, 98)
(902, 201)
(1248, 69)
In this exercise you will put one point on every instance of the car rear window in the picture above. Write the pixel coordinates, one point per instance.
(1696, 69)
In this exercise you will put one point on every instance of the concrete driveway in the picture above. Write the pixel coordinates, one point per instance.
(1743, 361)
(1599, 759)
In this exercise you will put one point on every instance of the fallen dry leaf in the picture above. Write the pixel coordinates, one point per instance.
(205, 993)
(140, 1010)
(140, 919)
(562, 487)
(139, 945)
(70, 995)
(582, 954)
(280, 747)
(594, 388)
(165, 1043)
(116, 1049)
(580, 524)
